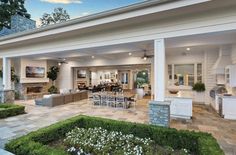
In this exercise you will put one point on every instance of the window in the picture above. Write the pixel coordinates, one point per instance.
(124, 78)
(170, 72)
(199, 72)
(184, 74)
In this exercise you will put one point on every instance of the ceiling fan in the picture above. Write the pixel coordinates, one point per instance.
(61, 61)
(145, 55)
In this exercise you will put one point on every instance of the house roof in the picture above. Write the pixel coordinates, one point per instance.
(92, 17)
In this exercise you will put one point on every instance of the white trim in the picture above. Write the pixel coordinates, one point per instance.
(6, 73)
(102, 18)
(165, 34)
(159, 70)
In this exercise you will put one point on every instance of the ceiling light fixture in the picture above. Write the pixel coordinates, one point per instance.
(188, 49)
(145, 58)
(93, 57)
(130, 53)
(59, 63)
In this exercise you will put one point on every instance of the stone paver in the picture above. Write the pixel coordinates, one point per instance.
(204, 119)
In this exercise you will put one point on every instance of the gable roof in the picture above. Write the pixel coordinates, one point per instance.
(91, 17)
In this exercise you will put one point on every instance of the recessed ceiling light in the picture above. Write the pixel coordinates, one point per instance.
(130, 53)
(93, 57)
(188, 49)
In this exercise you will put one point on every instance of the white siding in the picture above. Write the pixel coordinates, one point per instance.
(233, 54)
(210, 79)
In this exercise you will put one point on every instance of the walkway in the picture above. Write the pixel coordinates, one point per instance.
(204, 119)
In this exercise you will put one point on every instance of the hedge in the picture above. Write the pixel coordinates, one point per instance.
(35, 143)
(7, 110)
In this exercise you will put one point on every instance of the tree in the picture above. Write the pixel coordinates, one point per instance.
(9, 8)
(14, 77)
(59, 15)
(52, 75)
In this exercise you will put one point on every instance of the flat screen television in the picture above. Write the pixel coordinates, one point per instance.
(81, 74)
(35, 72)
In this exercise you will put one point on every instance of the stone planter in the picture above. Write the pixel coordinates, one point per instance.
(199, 97)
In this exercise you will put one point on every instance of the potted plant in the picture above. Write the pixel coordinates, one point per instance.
(52, 75)
(199, 92)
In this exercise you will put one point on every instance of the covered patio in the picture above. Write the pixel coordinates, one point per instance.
(204, 119)
(176, 52)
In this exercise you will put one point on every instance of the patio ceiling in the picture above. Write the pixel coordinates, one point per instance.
(197, 43)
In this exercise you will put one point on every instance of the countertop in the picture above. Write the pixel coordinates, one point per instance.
(228, 97)
(180, 94)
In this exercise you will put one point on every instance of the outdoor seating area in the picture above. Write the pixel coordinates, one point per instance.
(60, 99)
(123, 100)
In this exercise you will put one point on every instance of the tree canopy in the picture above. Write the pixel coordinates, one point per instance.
(9, 8)
(59, 15)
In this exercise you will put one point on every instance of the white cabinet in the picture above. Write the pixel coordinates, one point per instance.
(230, 75)
(180, 107)
(229, 107)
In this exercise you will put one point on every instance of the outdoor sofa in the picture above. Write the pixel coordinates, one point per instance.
(60, 99)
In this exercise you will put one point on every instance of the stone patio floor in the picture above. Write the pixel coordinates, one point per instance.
(204, 119)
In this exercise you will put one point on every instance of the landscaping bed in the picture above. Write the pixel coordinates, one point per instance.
(93, 135)
(7, 110)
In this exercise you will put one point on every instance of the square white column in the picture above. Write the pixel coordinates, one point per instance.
(6, 73)
(159, 70)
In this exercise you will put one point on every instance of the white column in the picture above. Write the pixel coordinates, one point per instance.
(6, 73)
(159, 70)
(152, 78)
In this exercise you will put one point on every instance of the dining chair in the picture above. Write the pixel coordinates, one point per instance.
(96, 99)
(134, 100)
(120, 101)
(111, 100)
(103, 99)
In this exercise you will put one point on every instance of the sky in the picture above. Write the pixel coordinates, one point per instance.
(75, 8)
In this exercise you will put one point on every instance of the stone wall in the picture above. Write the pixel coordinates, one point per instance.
(7, 96)
(159, 113)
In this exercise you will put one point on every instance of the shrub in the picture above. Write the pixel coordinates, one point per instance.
(35, 143)
(7, 110)
(199, 87)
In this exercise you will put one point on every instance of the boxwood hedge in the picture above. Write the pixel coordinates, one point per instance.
(7, 110)
(35, 143)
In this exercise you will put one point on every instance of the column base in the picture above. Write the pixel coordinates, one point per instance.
(159, 113)
(7, 96)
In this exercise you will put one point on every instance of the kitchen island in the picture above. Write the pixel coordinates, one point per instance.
(181, 104)
(227, 106)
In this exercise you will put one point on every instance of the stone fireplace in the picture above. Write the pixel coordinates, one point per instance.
(31, 90)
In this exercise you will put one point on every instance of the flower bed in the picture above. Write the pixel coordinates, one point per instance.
(37, 143)
(101, 141)
(7, 110)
